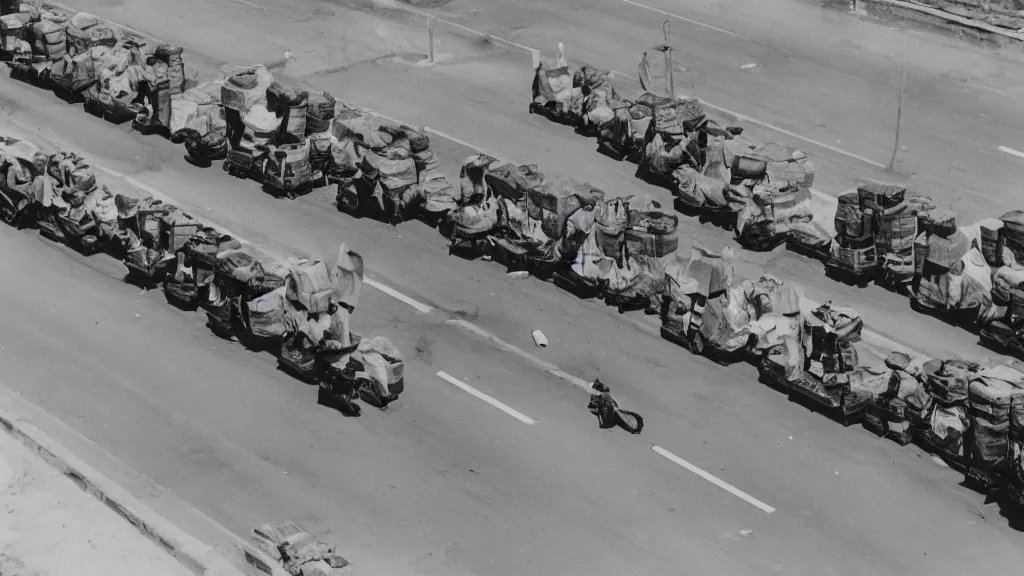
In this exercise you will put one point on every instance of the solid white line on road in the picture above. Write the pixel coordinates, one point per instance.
(419, 306)
(713, 479)
(1016, 153)
(502, 345)
(492, 37)
(683, 18)
(251, 5)
(745, 118)
(496, 403)
(780, 130)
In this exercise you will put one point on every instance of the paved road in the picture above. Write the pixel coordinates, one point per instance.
(445, 483)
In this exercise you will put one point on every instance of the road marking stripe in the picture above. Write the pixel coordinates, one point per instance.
(713, 479)
(494, 38)
(709, 26)
(419, 306)
(496, 403)
(745, 118)
(502, 345)
(1016, 153)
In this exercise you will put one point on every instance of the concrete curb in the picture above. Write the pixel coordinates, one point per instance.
(197, 557)
(950, 17)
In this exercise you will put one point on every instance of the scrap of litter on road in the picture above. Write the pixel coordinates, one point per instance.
(622, 250)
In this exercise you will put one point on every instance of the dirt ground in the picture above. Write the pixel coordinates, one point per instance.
(52, 528)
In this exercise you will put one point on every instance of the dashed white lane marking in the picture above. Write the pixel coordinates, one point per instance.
(713, 479)
(419, 306)
(491, 37)
(493, 402)
(250, 4)
(1011, 151)
(691, 21)
(511, 348)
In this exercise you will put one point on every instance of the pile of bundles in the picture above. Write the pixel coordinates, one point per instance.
(555, 93)
(288, 547)
(765, 188)
(119, 77)
(57, 192)
(566, 229)
(704, 308)
(904, 405)
(283, 138)
(815, 358)
(774, 183)
(1002, 247)
(876, 227)
(292, 141)
(951, 276)
(970, 415)
(299, 308)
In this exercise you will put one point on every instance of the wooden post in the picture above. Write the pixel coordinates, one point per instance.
(430, 36)
(899, 109)
(666, 28)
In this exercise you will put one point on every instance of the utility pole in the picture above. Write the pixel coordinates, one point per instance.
(666, 28)
(899, 110)
(430, 36)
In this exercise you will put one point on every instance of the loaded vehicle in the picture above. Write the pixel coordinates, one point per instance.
(284, 169)
(17, 178)
(694, 311)
(554, 95)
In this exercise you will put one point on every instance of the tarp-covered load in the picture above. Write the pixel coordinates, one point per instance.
(787, 166)
(310, 285)
(245, 87)
(990, 397)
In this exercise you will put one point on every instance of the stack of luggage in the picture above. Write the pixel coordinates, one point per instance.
(991, 394)
(945, 427)
(904, 406)
(894, 230)
(1002, 244)
(828, 358)
(705, 309)
(947, 277)
(854, 254)
(554, 93)
(774, 183)
(775, 317)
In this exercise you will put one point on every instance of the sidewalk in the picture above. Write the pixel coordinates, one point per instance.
(53, 528)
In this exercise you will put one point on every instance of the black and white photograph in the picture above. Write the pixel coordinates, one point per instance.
(512, 288)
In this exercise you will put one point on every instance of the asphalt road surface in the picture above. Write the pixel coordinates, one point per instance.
(822, 74)
(445, 482)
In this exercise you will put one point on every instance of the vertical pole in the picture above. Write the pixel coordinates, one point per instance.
(430, 35)
(666, 28)
(899, 110)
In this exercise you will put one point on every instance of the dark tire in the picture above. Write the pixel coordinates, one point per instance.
(696, 342)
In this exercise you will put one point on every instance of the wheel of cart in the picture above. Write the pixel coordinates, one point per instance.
(184, 295)
(821, 254)
(148, 275)
(513, 257)
(627, 302)
(687, 209)
(579, 286)
(984, 481)
(80, 235)
(854, 266)
(471, 245)
(724, 218)
(859, 277)
(686, 334)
